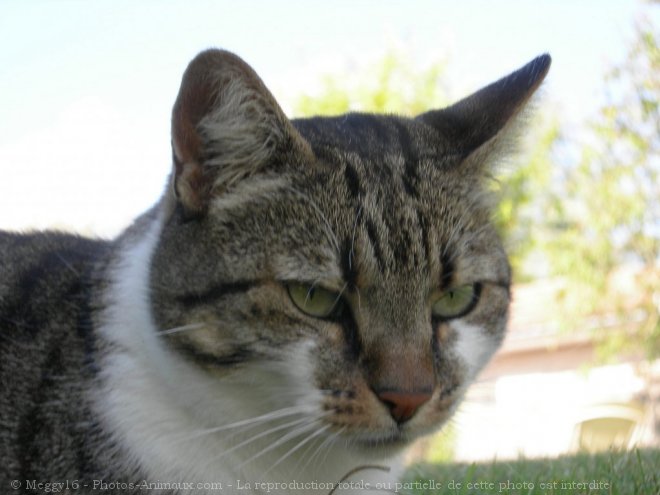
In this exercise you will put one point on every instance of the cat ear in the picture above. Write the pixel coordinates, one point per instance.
(226, 126)
(479, 125)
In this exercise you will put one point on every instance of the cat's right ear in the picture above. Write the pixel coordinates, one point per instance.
(481, 126)
(226, 126)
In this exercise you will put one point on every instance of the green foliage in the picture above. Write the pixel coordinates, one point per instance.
(391, 86)
(522, 191)
(604, 222)
(440, 447)
(621, 473)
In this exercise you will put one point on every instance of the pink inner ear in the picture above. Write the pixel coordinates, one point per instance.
(195, 100)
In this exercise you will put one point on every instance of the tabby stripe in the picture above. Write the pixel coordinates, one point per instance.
(85, 331)
(401, 245)
(239, 355)
(447, 270)
(36, 420)
(348, 264)
(381, 128)
(19, 313)
(215, 293)
(409, 177)
(352, 181)
(424, 230)
(506, 285)
(351, 334)
(85, 320)
(375, 245)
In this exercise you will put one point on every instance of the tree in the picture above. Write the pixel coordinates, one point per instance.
(392, 86)
(603, 231)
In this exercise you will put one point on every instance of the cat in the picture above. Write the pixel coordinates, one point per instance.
(307, 298)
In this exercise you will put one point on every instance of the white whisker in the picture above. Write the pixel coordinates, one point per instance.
(313, 446)
(298, 446)
(289, 436)
(327, 443)
(264, 434)
(264, 418)
(183, 328)
(343, 288)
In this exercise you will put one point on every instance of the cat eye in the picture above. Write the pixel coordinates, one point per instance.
(312, 300)
(456, 302)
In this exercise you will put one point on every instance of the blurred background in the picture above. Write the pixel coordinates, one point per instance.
(86, 90)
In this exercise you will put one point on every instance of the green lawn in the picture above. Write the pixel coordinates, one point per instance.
(627, 473)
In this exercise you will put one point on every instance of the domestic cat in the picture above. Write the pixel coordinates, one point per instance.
(307, 298)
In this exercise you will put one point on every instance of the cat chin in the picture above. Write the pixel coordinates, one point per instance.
(383, 445)
(380, 449)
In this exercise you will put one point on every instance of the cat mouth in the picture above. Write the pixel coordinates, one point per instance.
(392, 440)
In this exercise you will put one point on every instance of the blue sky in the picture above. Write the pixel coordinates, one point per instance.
(86, 87)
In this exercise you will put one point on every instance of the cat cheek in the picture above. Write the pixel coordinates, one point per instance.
(444, 334)
(473, 345)
(333, 336)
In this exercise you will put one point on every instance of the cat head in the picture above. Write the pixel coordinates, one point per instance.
(351, 257)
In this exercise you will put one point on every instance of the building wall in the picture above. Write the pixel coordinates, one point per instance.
(517, 410)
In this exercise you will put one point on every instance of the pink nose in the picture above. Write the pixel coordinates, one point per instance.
(403, 405)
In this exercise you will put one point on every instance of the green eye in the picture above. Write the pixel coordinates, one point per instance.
(314, 301)
(456, 302)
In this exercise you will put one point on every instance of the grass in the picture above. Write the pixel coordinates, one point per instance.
(613, 473)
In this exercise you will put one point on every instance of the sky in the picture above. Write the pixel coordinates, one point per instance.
(87, 87)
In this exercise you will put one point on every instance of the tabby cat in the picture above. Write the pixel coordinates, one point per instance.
(307, 297)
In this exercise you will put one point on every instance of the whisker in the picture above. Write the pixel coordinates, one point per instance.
(289, 436)
(280, 413)
(341, 292)
(305, 455)
(327, 443)
(263, 434)
(327, 451)
(183, 328)
(298, 446)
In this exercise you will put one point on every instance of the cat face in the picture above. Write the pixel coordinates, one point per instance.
(345, 265)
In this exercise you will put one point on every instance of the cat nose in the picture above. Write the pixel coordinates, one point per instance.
(403, 405)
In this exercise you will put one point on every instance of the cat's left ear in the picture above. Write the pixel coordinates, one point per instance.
(226, 126)
(483, 124)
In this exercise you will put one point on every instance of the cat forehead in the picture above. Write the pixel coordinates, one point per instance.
(355, 220)
(369, 135)
(383, 162)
